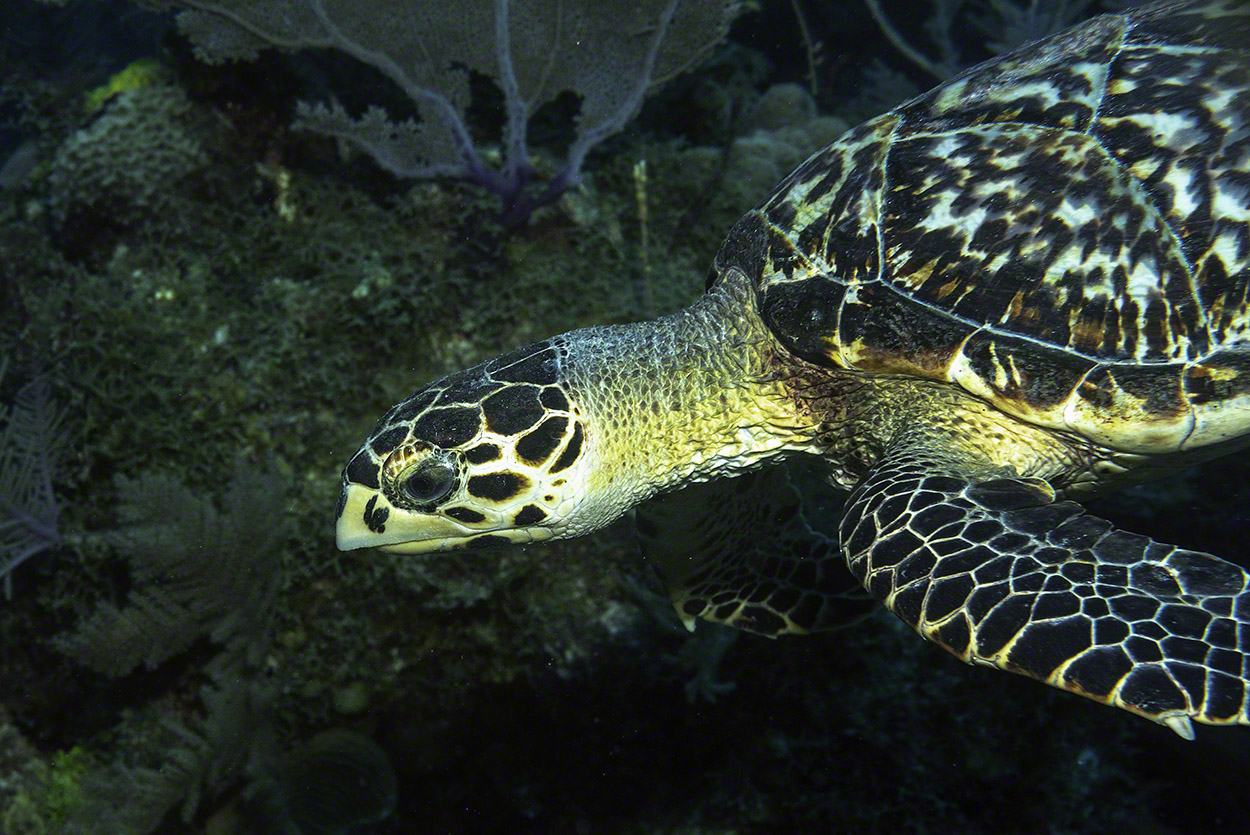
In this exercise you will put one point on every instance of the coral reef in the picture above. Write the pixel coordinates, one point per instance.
(781, 131)
(1005, 25)
(52, 789)
(179, 765)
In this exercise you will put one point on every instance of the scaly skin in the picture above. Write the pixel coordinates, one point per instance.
(689, 397)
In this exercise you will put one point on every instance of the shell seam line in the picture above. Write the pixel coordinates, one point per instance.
(985, 326)
(1102, 94)
(1133, 179)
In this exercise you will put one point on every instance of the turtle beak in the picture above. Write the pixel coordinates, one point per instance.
(367, 520)
(350, 529)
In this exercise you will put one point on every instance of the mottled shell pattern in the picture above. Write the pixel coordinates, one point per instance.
(1064, 232)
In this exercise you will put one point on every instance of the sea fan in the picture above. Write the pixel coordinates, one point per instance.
(611, 55)
(28, 507)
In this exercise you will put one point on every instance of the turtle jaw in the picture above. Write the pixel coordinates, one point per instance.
(367, 520)
(500, 539)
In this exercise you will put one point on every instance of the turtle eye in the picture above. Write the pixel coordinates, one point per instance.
(429, 482)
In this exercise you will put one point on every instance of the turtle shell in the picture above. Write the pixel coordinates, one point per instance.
(1063, 231)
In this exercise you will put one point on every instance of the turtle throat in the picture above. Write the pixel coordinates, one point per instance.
(692, 396)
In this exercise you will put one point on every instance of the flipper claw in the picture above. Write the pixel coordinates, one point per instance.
(1181, 725)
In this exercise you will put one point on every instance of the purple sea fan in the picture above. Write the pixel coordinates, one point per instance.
(28, 506)
(610, 54)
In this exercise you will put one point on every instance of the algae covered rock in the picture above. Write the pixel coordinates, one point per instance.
(783, 130)
(783, 105)
(147, 147)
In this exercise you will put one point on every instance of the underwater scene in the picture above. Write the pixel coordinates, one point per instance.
(236, 233)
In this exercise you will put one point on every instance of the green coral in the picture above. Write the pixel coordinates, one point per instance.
(54, 791)
(145, 72)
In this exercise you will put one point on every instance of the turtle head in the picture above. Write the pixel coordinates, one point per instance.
(489, 456)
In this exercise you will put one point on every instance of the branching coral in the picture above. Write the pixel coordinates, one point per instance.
(197, 572)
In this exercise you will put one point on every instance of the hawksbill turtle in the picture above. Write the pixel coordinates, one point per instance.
(1027, 286)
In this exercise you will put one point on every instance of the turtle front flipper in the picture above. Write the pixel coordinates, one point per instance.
(999, 573)
(739, 551)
